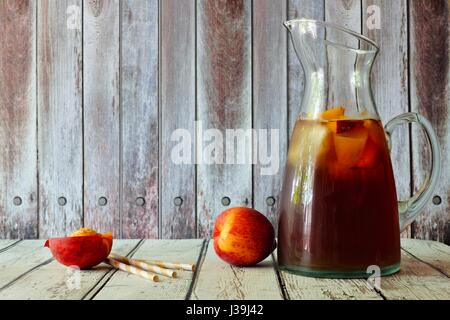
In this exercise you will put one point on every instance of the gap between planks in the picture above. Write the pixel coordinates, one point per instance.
(41, 280)
(218, 280)
(33, 255)
(133, 287)
(422, 276)
(420, 249)
(282, 285)
(21, 276)
(425, 261)
(6, 244)
(199, 264)
(92, 293)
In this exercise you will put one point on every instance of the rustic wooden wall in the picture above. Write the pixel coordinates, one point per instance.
(87, 110)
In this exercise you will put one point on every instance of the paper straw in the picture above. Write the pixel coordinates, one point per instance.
(131, 269)
(171, 265)
(145, 266)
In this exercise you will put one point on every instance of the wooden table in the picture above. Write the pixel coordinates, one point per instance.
(27, 271)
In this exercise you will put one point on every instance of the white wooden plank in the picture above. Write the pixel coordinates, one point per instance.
(269, 100)
(434, 253)
(139, 98)
(60, 131)
(415, 281)
(178, 217)
(101, 115)
(18, 161)
(217, 280)
(224, 102)
(4, 244)
(307, 288)
(134, 287)
(55, 281)
(21, 258)
(301, 288)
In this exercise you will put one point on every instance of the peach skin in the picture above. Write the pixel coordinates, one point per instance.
(243, 236)
(84, 250)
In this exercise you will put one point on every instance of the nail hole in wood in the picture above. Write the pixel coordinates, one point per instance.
(437, 200)
(270, 201)
(178, 201)
(140, 201)
(102, 201)
(62, 201)
(226, 201)
(17, 201)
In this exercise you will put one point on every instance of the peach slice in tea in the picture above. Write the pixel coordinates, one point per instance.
(347, 125)
(374, 146)
(349, 140)
(333, 114)
(370, 155)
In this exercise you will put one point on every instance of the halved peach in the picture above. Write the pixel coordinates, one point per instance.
(83, 232)
(82, 251)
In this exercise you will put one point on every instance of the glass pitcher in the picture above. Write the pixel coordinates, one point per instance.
(339, 212)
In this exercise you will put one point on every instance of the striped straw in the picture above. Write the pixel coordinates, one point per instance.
(145, 266)
(171, 265)
(131, 269)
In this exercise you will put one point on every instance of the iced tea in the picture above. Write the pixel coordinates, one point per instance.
(339, 204)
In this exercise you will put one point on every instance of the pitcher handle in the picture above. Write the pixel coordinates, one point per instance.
(408, 209)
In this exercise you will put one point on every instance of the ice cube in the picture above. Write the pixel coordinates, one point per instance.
(307, 140)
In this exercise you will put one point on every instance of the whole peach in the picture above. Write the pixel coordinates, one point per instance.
(243, 236)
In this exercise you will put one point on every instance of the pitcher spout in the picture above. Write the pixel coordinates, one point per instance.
(337, 63)
(334, 34)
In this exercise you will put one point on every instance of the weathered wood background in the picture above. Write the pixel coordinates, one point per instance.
(91, 91)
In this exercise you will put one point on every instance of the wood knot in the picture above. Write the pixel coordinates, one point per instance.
(95, 7)
(19, 7)
(347, 4)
